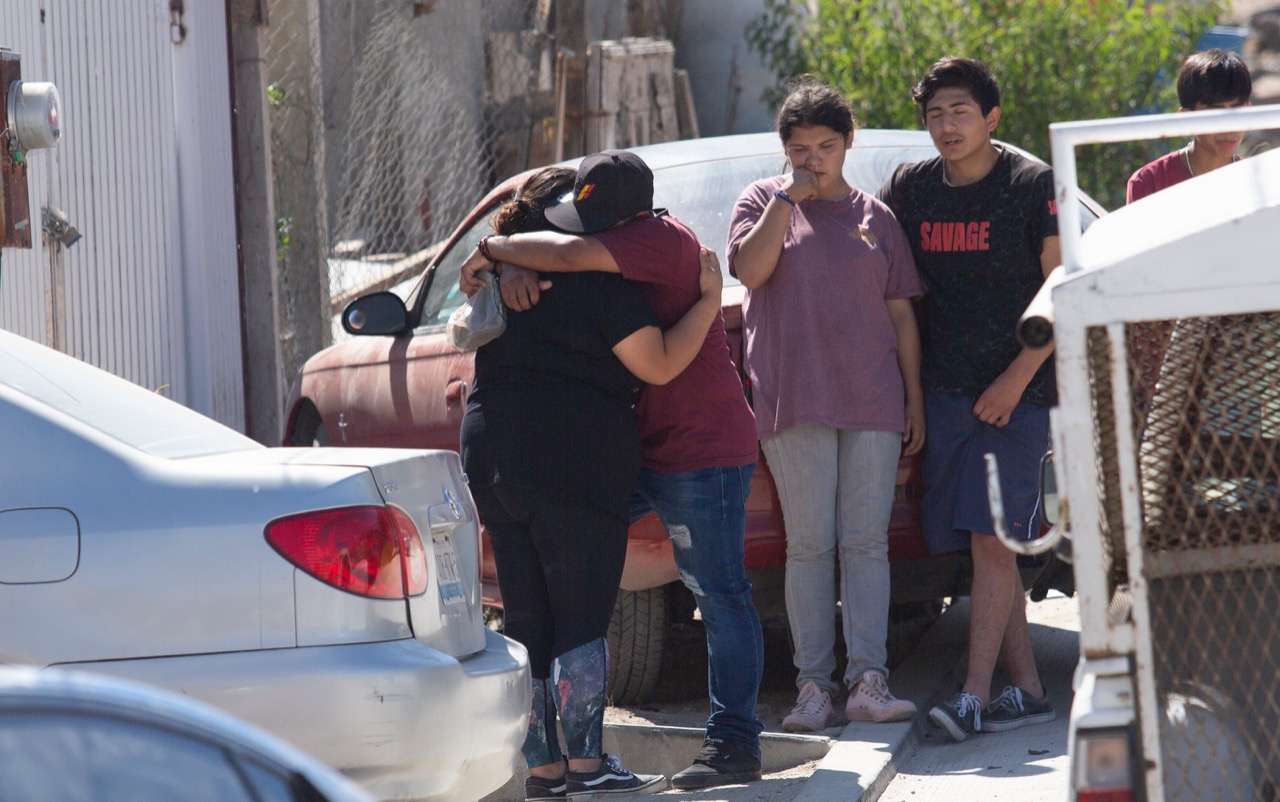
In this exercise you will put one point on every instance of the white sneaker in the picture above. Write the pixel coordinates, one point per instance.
(872, 701)
(812, 712)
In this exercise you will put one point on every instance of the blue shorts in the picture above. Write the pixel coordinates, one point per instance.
(955, 473)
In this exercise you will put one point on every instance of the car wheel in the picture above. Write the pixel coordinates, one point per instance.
(636, 635)
(308, 428)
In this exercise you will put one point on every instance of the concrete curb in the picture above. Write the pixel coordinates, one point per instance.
(667, 750)
(651, 749)
(856, 766)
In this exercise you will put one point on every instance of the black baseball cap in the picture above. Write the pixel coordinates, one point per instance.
(611, 186)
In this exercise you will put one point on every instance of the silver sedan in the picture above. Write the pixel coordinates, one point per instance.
(330, 596)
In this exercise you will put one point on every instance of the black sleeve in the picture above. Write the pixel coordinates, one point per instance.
(621, 308)
(1047, 208)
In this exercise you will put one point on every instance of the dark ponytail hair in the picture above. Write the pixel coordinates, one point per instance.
(526, 211)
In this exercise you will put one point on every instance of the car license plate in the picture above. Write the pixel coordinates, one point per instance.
(447, 571)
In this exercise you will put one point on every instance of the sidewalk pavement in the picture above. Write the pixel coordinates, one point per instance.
(856, 763)
(1028, 764)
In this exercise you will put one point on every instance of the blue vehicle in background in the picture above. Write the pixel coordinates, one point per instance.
(1227, 37)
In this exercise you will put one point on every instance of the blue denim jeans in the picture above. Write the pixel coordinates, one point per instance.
(705, 515)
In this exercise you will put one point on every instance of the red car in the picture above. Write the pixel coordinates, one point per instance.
(401, 384)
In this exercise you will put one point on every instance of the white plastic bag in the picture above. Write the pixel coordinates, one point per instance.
(480, 320)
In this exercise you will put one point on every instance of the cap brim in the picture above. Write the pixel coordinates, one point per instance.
(565, 217)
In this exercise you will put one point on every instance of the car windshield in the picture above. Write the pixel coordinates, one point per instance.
(701, 194)
(118, 408)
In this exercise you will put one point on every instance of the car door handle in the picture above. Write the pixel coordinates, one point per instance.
(455, 395)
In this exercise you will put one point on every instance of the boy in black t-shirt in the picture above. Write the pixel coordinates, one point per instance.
(982, 223)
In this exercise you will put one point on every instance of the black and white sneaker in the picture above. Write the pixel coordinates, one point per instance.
(612, 778)
(961, 716)
(542, 789)
(1015, 708)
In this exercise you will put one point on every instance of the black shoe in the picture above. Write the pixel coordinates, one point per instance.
(543, 789)
(961, 716)
(612, 778)
(718, 763)
(1015, 708)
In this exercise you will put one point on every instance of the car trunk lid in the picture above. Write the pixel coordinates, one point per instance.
(430, 487)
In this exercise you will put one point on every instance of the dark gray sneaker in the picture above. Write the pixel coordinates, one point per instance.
(718, 764)
(961, 716)
(1015, 708)
(542, 789)
(612, 778)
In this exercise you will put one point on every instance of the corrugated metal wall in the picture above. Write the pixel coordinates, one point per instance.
(144, 172)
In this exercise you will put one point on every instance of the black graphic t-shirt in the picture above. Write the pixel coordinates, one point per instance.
(977, 249)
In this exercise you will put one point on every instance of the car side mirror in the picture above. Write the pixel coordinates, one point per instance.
(381, 313)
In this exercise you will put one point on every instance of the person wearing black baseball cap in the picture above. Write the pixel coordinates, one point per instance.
(611, 186)
(555, 496)
(697, 432)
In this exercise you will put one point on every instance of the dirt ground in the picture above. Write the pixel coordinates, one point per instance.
(680, 698)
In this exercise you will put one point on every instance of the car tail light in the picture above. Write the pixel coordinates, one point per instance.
(413, 551)
(368, 550)
(1104, 766)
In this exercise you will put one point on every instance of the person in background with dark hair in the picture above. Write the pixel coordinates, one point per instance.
(697, 433)
(983, 225)
(1212, 79)
(827, 267)
(551, 452)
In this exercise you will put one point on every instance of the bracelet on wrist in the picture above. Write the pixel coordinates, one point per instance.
(777, 193)
(483, 247)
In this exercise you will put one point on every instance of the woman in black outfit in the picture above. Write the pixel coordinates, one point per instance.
(552, 453)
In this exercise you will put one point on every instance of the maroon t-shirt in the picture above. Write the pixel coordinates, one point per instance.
(820, 344)
(701, 418)
(1160, 174)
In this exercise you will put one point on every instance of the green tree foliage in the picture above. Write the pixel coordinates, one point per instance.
(1056, 60)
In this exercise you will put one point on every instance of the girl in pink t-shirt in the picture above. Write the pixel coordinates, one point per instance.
(833, 354)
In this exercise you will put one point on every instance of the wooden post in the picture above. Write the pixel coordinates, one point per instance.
(255, 220)
(15, 213)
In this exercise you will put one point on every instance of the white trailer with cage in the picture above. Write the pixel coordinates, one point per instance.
(1166, 321)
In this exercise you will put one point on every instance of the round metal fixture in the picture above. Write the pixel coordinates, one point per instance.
(34, 115)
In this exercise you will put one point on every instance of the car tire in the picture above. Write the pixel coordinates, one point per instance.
(637, 633)
(308, 428)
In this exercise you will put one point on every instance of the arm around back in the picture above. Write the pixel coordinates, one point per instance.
(657, 357)
(553, 252)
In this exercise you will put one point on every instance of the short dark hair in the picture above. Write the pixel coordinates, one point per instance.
(951, 72)
(811, 102)
(1211, 77)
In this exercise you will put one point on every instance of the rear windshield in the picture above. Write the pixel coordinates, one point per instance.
(120, 409)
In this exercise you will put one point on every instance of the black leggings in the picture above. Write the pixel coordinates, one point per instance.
(558, 564)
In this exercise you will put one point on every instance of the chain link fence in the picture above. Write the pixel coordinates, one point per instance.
(388, 120)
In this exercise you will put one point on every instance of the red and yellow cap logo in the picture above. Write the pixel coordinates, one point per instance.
(584, 193)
